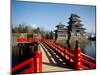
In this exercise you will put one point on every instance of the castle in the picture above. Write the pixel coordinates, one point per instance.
(74, 26)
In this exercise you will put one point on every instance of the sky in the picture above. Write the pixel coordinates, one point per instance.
(48, 15)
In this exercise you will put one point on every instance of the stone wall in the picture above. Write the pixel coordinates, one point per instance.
(82, 40)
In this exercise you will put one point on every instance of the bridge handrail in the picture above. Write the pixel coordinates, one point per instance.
(84, 67)
(62, 49)
(71, 55)
(22, 64)
(93, 59)
(91, 65)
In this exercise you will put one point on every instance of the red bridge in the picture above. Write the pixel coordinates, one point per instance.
(75, 59)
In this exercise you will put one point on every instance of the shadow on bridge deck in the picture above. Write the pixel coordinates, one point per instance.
(53, 62)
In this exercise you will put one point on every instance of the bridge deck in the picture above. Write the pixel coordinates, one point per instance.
(51, 61)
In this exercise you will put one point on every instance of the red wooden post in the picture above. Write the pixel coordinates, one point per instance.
(37, 59)
(77, 57)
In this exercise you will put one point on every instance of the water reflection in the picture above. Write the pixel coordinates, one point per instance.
(90, 48)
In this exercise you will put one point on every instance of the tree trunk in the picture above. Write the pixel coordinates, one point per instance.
(68, 40)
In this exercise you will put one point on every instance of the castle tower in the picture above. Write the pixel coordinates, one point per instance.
(75, 26)
(61, 31)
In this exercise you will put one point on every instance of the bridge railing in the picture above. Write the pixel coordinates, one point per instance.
(30, 69)
(30, 65)
(59, 49)
(75, 57)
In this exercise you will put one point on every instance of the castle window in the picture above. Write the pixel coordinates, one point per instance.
(76, 26)
(77, 30)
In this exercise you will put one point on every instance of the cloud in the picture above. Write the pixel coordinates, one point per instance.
(34, 26)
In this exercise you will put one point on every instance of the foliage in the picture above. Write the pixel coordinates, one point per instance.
(22, 28)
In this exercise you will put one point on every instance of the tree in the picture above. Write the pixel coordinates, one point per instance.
(37, 30)
(51, 34)
(69, 30)
(21, 28)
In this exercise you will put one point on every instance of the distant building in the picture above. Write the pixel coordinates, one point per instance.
(61, 31)
(74, 26)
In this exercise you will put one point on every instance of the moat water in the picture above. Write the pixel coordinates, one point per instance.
(90, 48)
